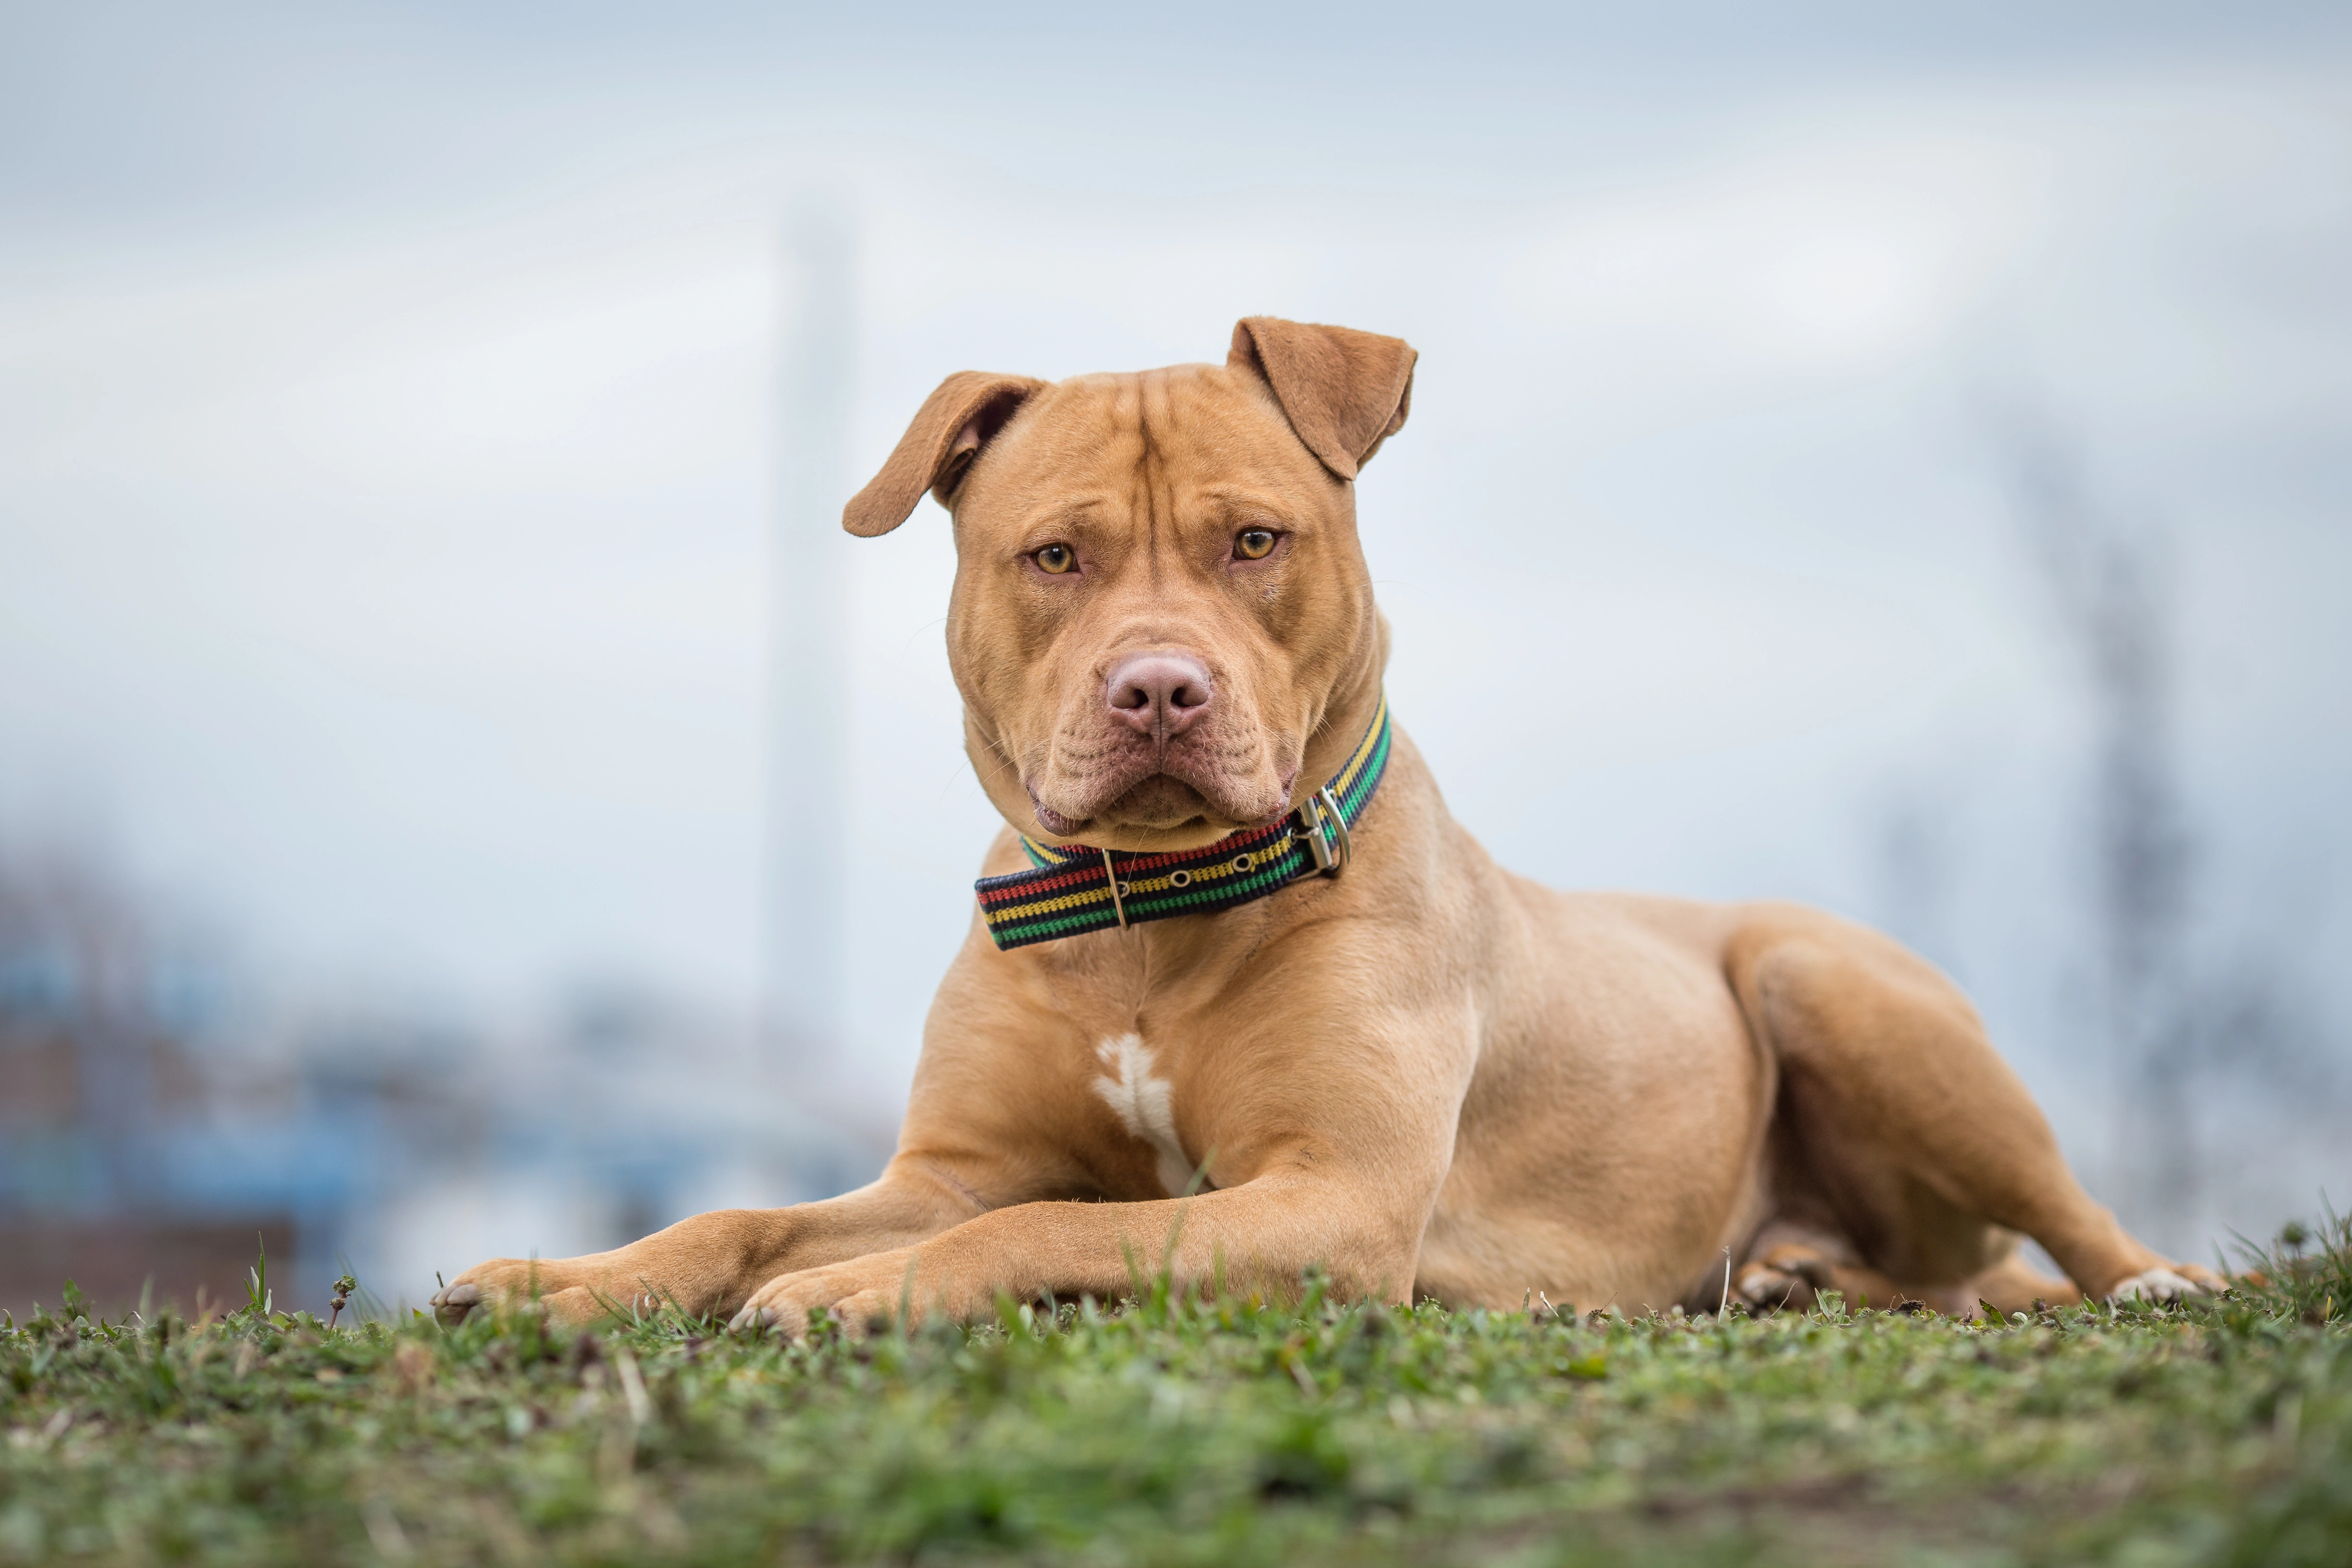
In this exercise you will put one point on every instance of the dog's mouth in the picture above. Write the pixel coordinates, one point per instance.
(1165, 803)
(1160, 803)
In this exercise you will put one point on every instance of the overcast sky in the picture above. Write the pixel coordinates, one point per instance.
(386, 445)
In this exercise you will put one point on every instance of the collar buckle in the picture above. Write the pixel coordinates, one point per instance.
(1327, 833)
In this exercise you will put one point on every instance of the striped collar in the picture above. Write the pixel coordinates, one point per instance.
(1076, 888)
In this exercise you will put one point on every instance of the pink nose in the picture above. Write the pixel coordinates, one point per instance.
(1159, 693)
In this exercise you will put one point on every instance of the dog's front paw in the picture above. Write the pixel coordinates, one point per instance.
(2175, 1283)
(490, 1288)
(506, 1283)
(452, 1303)
(864, 1296)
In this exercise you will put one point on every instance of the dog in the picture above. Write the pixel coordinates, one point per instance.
(1241, 1000)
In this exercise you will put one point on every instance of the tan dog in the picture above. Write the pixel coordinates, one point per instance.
(1422, 1074)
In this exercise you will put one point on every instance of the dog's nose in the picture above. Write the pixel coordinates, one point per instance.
(1159, 693)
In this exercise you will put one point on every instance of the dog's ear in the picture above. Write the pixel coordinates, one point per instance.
(1344, 391)
(954, 423)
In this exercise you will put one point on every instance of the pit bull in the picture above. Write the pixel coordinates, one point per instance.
(1241, 1000)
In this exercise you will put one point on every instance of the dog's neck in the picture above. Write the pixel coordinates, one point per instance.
(1345, 718)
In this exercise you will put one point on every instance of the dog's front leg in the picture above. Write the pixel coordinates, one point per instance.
(1263, 1234)
(710, 1263)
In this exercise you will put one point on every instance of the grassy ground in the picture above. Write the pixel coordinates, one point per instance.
(1176, 1432)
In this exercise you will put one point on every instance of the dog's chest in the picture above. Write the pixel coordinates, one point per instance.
(1131, 1082)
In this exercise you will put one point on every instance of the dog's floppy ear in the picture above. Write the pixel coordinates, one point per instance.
(1344, 391)
(954, 423)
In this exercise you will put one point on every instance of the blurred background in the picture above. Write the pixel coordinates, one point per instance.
(1899, 460)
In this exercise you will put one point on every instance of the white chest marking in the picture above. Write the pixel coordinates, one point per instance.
(1141, 1104)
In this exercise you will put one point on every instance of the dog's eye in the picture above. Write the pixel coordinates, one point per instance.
(1056, 559)
(1254, 544)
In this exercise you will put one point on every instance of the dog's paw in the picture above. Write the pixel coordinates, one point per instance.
(1767, 1289)
(507, 1284)
(2161, 1283)
(862, 1296)
(487, 1289)
(1791, 1277)
(453, 1303)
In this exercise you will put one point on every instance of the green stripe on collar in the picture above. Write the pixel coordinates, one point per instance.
(1077, 889)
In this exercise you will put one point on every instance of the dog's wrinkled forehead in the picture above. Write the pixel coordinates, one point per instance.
(1137, 445)
(1341, 391)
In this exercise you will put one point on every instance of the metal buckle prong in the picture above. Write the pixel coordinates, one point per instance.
(1319, 843)
(1117, 904)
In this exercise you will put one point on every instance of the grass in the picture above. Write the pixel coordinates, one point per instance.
(1180, 1431)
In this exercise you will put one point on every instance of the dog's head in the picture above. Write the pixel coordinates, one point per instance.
(1159, 599)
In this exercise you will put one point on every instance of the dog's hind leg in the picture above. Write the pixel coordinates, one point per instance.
(1794, 1271)
(1792, 1266)
(1911, 1129)
(2013, 1285)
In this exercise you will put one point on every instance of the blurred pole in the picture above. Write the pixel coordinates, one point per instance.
(2109, 582)
(805, 829)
